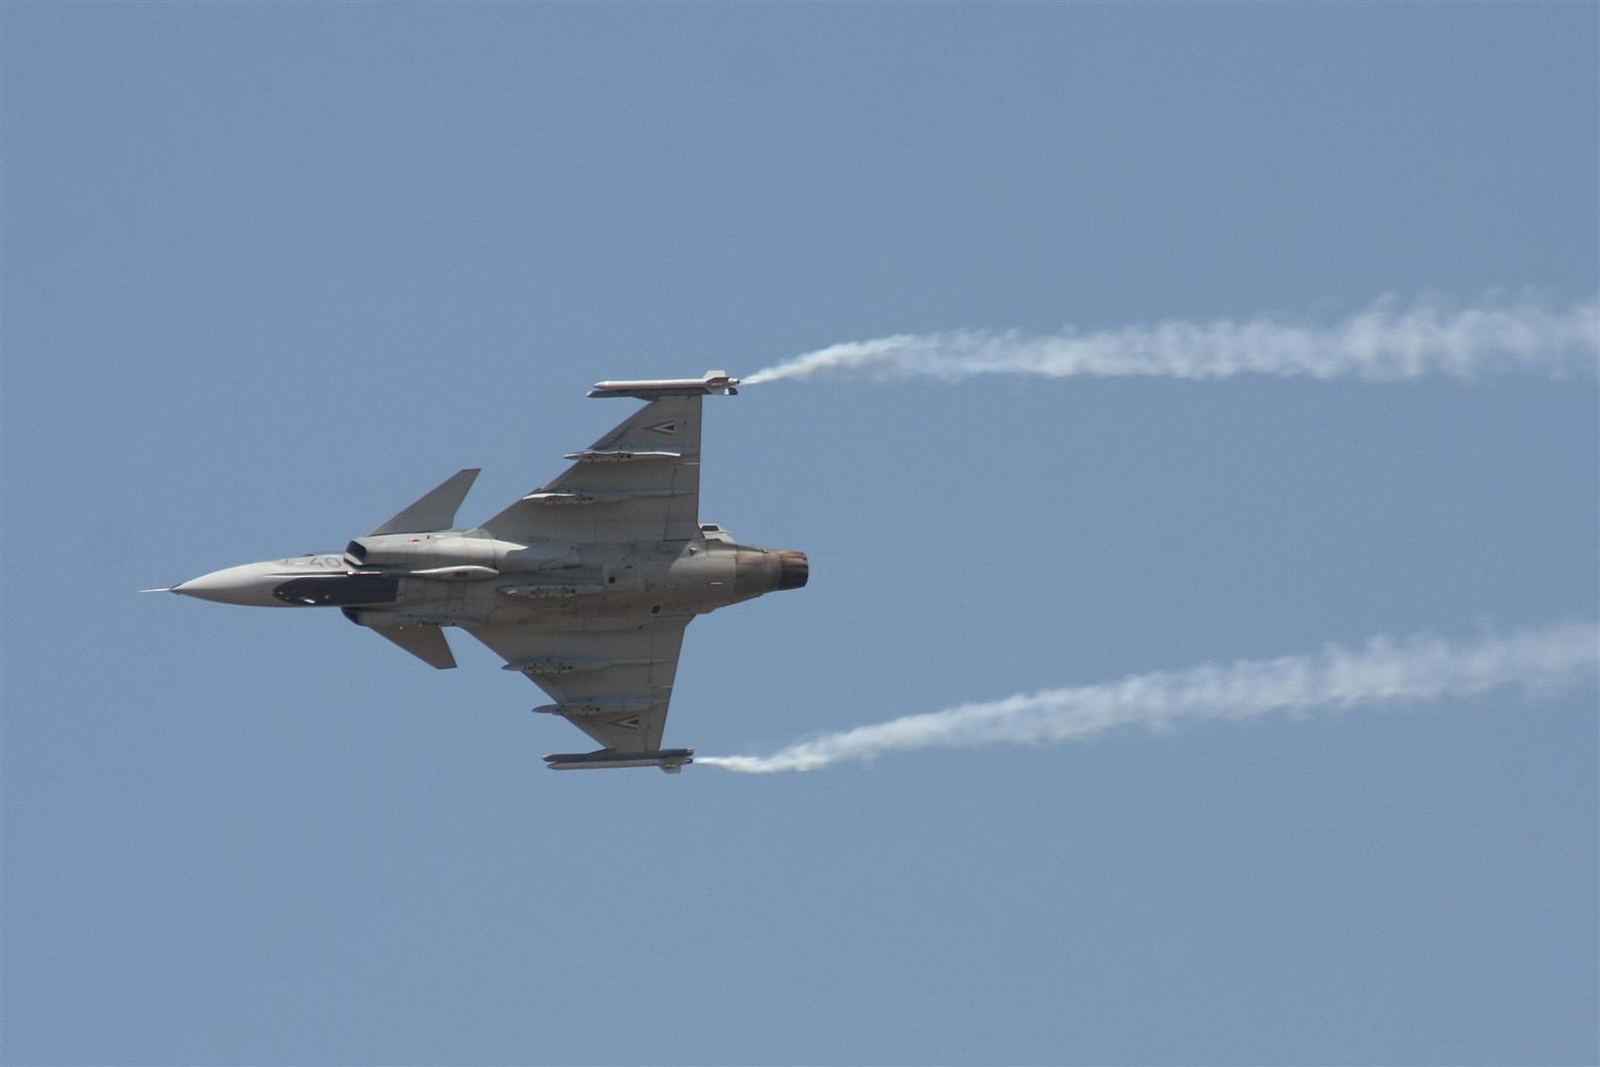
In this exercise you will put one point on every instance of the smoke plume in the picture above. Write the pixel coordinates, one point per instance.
(1384, 673)
(1384, 343)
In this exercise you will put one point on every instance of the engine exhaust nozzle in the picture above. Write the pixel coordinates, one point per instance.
(794, 570)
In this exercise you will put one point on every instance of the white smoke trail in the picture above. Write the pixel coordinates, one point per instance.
(1383, 673)
(1384, 343)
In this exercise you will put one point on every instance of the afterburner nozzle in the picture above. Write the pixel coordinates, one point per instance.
(794, 570)
(764, 570)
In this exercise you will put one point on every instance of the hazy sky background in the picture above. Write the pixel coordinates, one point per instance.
(272, 271)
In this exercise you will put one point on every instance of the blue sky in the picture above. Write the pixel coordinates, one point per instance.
(271, 271)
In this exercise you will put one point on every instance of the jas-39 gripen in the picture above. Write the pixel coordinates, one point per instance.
(584, 585)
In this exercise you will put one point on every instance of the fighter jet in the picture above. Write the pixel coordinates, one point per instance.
(585, 585)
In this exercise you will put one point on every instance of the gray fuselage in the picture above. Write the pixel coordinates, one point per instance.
(468, 577)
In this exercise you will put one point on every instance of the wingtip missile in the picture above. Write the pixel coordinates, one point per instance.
(718, 382)
(670, 760)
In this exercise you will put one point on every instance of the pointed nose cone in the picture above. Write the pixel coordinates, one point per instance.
(250, 584)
